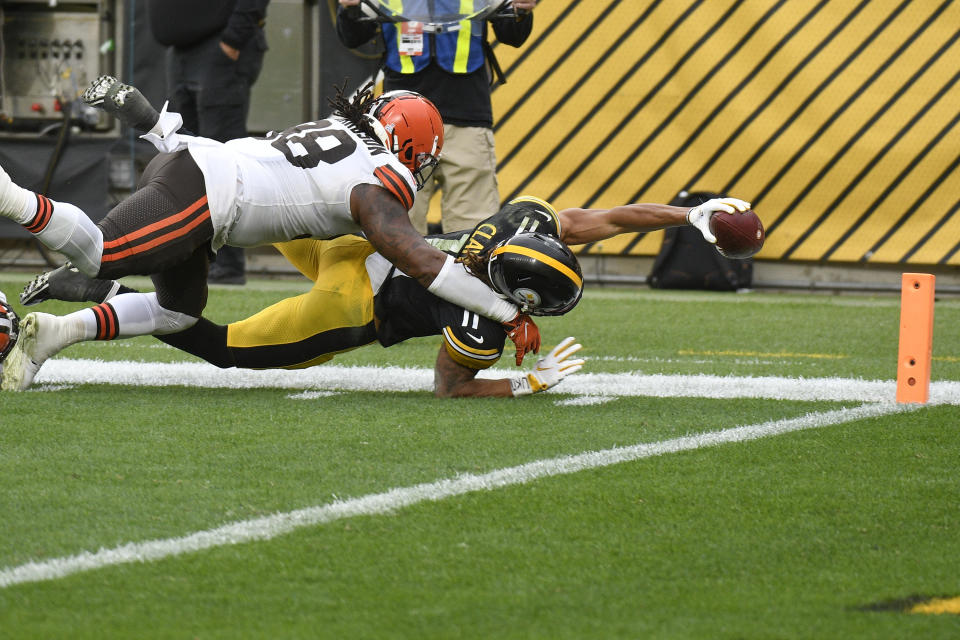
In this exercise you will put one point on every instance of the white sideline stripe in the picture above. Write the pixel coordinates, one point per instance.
(341, 378)
(278, 524)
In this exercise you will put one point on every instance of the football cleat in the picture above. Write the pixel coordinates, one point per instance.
(97, 91)
(537, 272)
(122, 101)
(67, 283)
(9, 329)
(41, 337)
(411, 127)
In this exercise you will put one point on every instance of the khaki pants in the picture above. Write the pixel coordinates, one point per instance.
(467, 179)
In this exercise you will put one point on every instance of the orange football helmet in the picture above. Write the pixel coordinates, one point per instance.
(411, 127)
(9, 328)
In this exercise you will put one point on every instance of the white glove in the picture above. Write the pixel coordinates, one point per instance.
(550, 370)
(700, 215)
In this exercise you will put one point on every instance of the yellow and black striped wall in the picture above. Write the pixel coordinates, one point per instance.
(837, 119)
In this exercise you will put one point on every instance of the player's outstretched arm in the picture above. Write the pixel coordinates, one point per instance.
(453, 380)
(579, 226)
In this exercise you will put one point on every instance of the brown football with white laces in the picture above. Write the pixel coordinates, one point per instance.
(739, 235)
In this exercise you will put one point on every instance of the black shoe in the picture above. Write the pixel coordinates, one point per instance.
(122, 101)
(68, 284)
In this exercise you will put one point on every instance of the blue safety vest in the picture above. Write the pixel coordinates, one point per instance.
(458, 51)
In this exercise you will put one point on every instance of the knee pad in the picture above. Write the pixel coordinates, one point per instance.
(73, 234)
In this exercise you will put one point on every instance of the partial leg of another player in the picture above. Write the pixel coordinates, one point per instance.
(59, 226)
(122, 101)
(43, 335)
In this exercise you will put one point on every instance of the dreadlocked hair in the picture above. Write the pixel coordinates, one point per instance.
(355, 109)
(476, 264)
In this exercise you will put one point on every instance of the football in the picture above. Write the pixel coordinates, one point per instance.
(739, 235)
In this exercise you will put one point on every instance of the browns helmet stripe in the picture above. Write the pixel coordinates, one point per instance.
(9, 329)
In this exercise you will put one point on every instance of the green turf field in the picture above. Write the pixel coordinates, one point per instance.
(725, 466)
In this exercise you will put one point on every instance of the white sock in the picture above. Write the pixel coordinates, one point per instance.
(16, 203)
(71, 328)
(131, 314)
(64, 227)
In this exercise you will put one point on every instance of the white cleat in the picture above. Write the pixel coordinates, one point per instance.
(41, 337)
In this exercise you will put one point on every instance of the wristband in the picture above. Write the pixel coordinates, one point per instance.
(526, 385)
(520, 386)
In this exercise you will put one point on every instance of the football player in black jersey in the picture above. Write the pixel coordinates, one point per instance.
(358, 298)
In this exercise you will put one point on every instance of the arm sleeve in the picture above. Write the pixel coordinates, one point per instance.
(247, 17)
(352, 31)
(512, 30)
(455, 284)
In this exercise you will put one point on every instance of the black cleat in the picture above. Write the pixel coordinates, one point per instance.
(122, 101)
(97, 91)
(68, 284)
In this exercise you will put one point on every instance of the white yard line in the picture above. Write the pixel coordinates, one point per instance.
(379, 503)
(341, 378)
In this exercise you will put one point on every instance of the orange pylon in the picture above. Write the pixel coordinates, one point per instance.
(916, 337)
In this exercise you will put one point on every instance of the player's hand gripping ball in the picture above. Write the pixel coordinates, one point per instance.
(730, 224)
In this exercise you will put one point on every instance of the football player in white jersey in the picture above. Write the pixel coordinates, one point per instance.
(355, 171)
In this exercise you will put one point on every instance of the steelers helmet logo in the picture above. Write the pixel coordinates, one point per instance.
(531, 297)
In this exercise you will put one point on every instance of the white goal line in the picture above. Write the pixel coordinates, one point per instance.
(343, 378)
